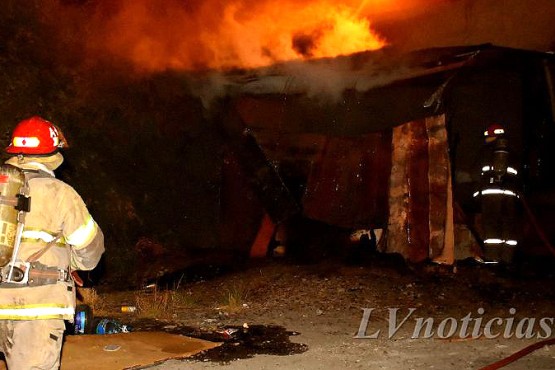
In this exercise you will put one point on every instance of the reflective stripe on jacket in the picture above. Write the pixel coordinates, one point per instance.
(36, 312)
(54, 301)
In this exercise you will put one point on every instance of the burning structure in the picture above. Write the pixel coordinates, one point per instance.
(403, 156)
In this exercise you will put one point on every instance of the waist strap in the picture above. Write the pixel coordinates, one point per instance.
(42, 275)
(39, 274)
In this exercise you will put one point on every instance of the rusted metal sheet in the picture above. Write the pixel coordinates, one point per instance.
(408, 232)
(420, 198)
(348, 182)
(441, 214)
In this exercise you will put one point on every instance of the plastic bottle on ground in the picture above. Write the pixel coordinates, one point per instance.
(111, 326)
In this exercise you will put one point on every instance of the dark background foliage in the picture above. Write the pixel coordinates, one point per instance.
(141, 153)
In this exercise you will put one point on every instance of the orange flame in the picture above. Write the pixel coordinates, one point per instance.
(224, 34)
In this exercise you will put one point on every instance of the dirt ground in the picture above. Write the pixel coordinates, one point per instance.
(291, 316)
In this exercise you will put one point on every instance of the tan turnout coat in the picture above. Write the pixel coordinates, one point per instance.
(56, 210)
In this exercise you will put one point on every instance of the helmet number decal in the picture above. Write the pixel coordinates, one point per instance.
(54, 135)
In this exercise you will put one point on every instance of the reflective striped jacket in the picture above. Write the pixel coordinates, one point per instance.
(57, 210)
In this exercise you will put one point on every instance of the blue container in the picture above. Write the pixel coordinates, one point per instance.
(83, 320)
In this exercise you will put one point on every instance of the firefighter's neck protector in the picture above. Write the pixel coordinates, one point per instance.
(45, 163)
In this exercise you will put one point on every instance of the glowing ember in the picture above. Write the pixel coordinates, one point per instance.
(225, 34)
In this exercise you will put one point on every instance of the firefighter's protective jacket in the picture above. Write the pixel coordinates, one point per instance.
(498, 198)
(57, 211)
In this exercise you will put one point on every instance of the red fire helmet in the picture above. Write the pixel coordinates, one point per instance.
(493, 132)
(36, 136)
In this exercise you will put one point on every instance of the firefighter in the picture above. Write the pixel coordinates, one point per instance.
(59, 237)
(498, 198)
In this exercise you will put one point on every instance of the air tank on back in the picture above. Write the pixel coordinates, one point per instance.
(12, 180)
